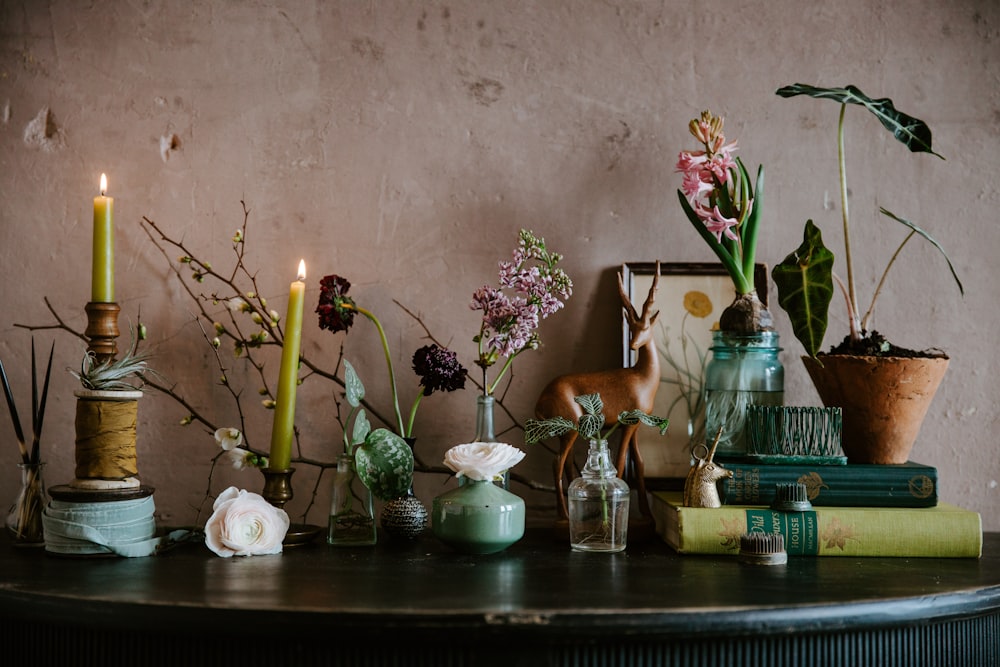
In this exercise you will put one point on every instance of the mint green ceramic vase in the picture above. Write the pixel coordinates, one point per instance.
(478, 517)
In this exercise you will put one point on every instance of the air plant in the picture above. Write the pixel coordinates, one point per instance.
(111, 374)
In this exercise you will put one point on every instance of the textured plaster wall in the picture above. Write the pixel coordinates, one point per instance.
(402, 145)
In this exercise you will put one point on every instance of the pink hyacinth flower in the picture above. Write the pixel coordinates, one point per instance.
(719, 224)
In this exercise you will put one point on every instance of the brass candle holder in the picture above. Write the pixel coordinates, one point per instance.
(102, 329)
(278, 491)
(277, 486)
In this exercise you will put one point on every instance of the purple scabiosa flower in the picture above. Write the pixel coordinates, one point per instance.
(438, 369)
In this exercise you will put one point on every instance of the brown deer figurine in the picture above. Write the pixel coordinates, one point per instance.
(621, 389)
(699, 486)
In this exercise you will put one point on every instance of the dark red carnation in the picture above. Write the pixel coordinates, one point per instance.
(336, 310)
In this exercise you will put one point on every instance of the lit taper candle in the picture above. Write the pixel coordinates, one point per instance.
(283, 430)
(102, 282)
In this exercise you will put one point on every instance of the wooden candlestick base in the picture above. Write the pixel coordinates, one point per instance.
(102, 330)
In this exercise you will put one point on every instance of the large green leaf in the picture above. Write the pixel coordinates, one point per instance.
(930, 240)
(910, 131)
(752, 224)
(355, 390)
(805, 288)
(385, 464)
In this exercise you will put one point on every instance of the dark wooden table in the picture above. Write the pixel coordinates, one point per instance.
(537, 603)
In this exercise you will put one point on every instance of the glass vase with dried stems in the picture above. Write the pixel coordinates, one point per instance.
(24, 518)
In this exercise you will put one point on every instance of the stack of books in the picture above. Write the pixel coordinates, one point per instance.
(858, 510)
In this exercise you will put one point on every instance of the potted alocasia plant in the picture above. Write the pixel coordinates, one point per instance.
(884, 389)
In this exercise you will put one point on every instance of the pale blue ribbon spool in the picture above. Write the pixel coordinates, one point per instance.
(121, 527)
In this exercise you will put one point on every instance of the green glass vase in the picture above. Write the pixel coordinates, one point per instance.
(478, 517)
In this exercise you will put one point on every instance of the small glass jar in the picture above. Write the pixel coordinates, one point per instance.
(598, 504)
(352, 510)
(744, 371)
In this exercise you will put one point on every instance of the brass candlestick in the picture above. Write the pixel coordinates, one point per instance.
(277, 486)
(278, 491)
(102, 329)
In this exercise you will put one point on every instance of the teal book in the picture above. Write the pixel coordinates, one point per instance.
(852, 485)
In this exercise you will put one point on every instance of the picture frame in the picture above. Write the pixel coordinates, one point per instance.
(683, 338)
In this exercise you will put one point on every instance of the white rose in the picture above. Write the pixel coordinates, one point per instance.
(482, 460)
(228, 438)
(244, 524)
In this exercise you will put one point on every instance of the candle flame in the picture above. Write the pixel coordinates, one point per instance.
(302, 270)
(104, 184)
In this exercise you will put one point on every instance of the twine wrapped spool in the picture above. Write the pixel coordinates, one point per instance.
(106, 434)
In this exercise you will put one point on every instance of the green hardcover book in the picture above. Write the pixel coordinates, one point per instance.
(851, 485)
(943, 531)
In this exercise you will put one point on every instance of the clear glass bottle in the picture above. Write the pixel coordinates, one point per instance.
(352, 511)
(744, 370)
(484, 419)
(485, 432)
(24, 518)
(598, 504)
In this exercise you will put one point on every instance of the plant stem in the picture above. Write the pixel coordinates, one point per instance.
(490, 388)
(871, 307)
(855, 327)
(388, 362)
(413, 415)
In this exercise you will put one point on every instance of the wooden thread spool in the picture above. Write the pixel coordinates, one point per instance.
(106, 434)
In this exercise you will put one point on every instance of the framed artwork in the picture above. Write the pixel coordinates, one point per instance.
(690, 298)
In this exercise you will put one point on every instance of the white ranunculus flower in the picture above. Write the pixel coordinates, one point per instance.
(482, 460)
(244, 524)
(228, 438)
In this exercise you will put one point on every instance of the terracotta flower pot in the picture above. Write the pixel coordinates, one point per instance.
(884, 400)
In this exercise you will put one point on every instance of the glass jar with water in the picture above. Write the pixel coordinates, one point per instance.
(744, 370)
